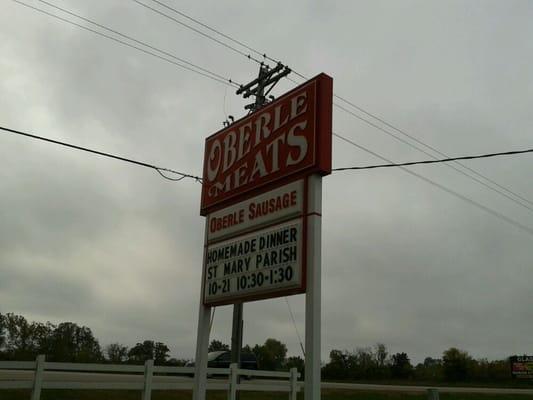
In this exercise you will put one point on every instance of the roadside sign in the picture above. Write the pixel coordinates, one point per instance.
(261, 264)
(289, 137)
(255, 189)
(522, 366)
(262, 196)
(267, 208)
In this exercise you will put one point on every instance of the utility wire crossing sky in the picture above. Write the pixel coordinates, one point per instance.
(455, 73)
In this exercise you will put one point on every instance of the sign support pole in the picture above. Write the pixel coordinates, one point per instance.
(236, 337)
(313, 291)
(266, 77)
(202, 339)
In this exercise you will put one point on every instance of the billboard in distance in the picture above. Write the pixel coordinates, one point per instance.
(522, 366)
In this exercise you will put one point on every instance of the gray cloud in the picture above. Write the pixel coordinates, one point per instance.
(115, 247)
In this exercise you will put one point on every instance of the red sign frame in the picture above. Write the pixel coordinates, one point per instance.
(288, 139)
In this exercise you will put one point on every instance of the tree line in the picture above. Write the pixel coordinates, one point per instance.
(376, 363)
(68, 342)
(21, 340)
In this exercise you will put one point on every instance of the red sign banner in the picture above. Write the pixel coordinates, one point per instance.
(288, 138)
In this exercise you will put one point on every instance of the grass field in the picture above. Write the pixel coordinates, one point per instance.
(221, 395)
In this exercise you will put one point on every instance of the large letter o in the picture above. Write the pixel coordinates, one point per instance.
(212, 172)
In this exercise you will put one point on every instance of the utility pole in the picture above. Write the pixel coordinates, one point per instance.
(260, 88)
(262, 85)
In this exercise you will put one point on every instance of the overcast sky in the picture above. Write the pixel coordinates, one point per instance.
(115, 247)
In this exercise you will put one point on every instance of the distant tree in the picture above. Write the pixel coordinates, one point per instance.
(365, 364)
(431, 362)
(217, 345)
(22, 340)
(72, 343)
(296, 362)
(380, 353)
(456, 364)
(270, 355)
(339, 366)
(161, 353)
(141, 352)
(401, 366)
(483, 370)
(3, 333)
(430, 370)
(498, 370)
(116, 353)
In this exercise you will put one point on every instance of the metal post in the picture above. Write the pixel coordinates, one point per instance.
(293, 394)
(38, 378)
(433, 394)
(202, 339)
(260, 94)
(233, 375)
(313, 293)
(148, 375)
(236, 335)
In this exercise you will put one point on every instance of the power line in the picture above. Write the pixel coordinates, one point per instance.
(295, 327)
(508, 193)
(160, 170)
(138, 41)
(223, 81)
(443, 160)
(249, 56)
(442, 187)
(259, 53)
(430, 147)
(302, 76)
(518, 200)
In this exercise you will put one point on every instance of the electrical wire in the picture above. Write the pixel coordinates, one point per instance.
(225, 82)
(248, 56)
(295, 327)
(430, 147)
(300, 75)
(138, 41)
(212, 320)
(519, 200)
(259, 53)
(160, 170)
(488, 155)
(489, 210)
(508, 193)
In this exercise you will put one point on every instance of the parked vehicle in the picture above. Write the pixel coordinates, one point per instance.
(222, 359)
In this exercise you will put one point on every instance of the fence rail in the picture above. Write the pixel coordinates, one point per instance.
(147, 378)
(144, 378)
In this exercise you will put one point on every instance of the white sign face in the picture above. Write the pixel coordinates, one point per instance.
(254, 265)
(270, 207)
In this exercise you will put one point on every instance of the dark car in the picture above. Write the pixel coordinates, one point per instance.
(222, 359)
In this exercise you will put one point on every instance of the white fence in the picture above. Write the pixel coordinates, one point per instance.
(40, 374)
(145, 378)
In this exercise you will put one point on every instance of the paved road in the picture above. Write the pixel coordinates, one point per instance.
(57, 376)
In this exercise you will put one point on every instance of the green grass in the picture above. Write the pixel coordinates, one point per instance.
(222, 395)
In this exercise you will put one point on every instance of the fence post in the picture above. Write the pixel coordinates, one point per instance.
(148, 374)
(433, 394)
(38, 378)
(233, 372)
(294, 384)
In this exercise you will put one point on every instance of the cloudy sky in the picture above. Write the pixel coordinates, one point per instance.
(115, 247)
